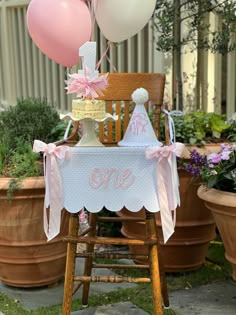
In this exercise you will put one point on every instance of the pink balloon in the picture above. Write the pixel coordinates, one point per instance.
(59, 28)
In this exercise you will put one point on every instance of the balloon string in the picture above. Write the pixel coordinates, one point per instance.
(103, 55)
(113, 67)
(92, 9)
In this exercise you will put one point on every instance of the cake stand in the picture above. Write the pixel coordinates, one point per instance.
(89, 134)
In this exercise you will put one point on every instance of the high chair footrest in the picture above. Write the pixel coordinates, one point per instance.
(113, 279)
(111, 255)
(120, 266)
(110, 241)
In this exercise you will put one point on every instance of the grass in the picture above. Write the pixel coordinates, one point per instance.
(215, 269)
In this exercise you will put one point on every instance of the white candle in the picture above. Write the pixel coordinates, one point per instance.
(87, 52)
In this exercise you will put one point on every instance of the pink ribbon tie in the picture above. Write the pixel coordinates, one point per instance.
(167, 183)
(53, 185)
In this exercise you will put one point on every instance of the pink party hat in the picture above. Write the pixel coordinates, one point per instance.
(139, 132)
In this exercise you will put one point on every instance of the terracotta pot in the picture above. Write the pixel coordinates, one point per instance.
(223, 207)
(26, 258)
(195, 228)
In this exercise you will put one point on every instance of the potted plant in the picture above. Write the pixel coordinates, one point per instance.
(201, 128)
(26, 258)
(218, 191)
(195, 226)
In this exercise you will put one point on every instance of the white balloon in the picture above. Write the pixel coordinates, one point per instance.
(121, 19)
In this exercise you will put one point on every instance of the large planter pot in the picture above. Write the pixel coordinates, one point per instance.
(223, 207)
(26, 258)
(195, 228)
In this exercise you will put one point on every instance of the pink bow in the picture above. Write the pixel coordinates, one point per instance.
(53, 184)
(85, 86)
(167, 183)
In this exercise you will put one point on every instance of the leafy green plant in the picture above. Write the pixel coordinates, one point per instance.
(199, 128)
(232, 130)
(20, 125)
(29, 119)
(59, 130)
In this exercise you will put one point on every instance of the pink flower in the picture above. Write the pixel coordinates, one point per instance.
(82, 216)
(225, 146)
(225, 155)
(214, 158)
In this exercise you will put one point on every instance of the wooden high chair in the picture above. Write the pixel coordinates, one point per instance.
(118, 100)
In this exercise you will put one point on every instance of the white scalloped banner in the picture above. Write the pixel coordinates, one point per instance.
(108, 177)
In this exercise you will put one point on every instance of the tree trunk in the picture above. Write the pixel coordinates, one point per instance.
(177, 69)
(201, 75)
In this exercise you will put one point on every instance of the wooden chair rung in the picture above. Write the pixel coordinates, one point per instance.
(76, 287)
(119, 219)
(110, 241)
(85, 232)
(113, 279)
(120, 266)
(110, 255)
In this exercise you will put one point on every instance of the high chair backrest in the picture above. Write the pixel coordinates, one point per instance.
(118, 101)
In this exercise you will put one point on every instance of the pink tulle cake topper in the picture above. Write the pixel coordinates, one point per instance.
(86, 86)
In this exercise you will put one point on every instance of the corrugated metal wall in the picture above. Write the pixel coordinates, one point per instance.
(25, 71)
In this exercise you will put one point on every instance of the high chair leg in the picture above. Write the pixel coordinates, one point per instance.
(70, 265)
(164, 289)
(154, 264)
(89, 261)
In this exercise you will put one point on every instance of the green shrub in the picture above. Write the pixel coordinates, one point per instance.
(20, 125)
(199, 128)
(29, 119)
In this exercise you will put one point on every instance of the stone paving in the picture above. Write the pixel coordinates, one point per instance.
(122, 308)
(211, 299)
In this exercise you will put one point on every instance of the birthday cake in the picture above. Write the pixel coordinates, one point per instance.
(87, 108)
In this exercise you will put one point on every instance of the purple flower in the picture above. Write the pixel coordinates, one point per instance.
(197, 158)
(217, 170)
(214, 158)
(192, 169)
(225, 146)
(225, 155)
